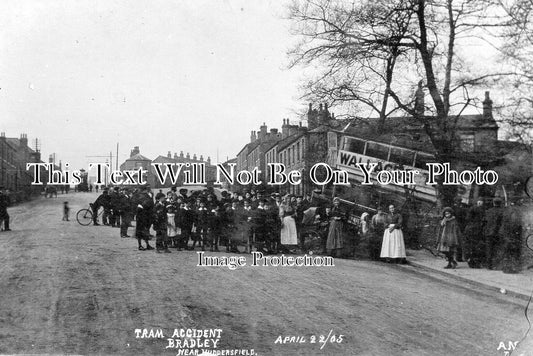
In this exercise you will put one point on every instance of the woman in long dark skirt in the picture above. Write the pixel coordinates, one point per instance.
(334, 243)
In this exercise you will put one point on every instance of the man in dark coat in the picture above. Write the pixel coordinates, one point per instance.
(203, 215)
(183, 195)
(215, 217)
(114, 207)
(159, 195)
(101, 202)
(492, 231)
(4, 203)
(232, 218)
(125, 210)
(511, 232)
(144, 207)
(460, 215)
(160, 225)
(272, 226)
(246, 221)
(186, 217)
(473, 235)
(257, 226)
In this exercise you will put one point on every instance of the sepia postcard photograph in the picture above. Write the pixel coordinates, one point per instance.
(266, 177)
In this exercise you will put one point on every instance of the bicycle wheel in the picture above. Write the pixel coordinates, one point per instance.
(529, 242)
(84, 217)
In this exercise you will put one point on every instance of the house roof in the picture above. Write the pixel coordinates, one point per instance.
(233, 160)
(288, 140)
(242, 149)
(270, 146)
(138, 157)
(13, 141)
(164, 159)
(408, 132)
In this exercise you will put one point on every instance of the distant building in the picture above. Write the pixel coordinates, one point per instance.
(302, 147)
(252, 155)
(136, 161)
(14, 155)
(210, 169)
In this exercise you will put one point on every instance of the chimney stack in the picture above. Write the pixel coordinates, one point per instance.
(169, 154)
(285, 128)
(135, 151)
(487, 106)
(23, 140)
(323, 114)
(208, 161)
(262, 132)
(312, 116)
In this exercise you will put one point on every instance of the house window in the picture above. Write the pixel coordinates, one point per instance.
(332, 140)
(293, 155)
(467, 142)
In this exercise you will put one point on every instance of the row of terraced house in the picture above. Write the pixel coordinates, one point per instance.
(15, 154)
(401, 142)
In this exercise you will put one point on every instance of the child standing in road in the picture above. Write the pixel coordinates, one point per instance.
(66, 210)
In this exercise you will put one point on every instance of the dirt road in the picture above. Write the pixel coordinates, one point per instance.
(71, 289)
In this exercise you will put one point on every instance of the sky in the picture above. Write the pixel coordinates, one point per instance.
(192, 76)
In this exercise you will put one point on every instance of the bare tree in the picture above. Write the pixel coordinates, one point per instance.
(517, 51)
(356, 48)
(399, 42)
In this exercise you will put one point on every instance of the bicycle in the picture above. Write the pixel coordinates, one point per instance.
(85, 216)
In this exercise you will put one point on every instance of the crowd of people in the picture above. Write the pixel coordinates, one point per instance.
(272, 224)
(276, 223)
(185, 221)
(481, 236)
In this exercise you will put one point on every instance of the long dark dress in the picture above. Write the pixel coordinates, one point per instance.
(334, 241)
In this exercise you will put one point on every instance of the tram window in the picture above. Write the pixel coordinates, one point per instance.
(354, 145)
(377, 150)
(402, 156)
(422, 159)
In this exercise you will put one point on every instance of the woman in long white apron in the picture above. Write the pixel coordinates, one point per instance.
(393, 246)
(287, 213)
(172, 229)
